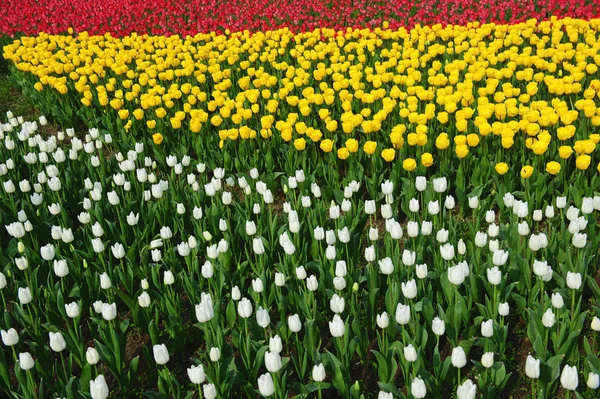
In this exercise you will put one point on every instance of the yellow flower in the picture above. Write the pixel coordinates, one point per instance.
(472, 140)
(553, 167)
(151, 124)
(332, 125)
(123, 114)
(326, 145)
(501, 168)
(352, 145)
(565, 151)
(370, 147)
(526, 171)
(583, 162)
(343, 153)
(157, 138)
(427, 159)
(442, 142)
(388, 154)
(300, 144)
(409, 164)
(462, 151)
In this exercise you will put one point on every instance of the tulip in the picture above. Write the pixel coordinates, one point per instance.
(386, 266)
(409, 289)
(438, 326)
(10, 337)
(499, 258)
(573, 280)
(262, 317)
(209, 391)
(487, 328)
(257, 285)
(459, 358)
(421, 271)
(370, 207)
(161, 354)
(47, 252)
(26, 362)
(456, 275)
(503, 309)
(421, 183)
(24, 295)
(467, 390)
(402, 314)
(494, 275)
(440, 184)
(480, 239)
(168, 277)
(557, 300)
(215, 354)
(265, 385)
(418, 388)
(447, 251)
(487, 359)
(408, 257)
(92, 356)
(275, 344)
(337, 327)
(593, 381)
(595, 323)
(311, 283)
(279, 279)
(383, 320)
(385, 395)
(99, 388)
(569, 378)
(72, 309)
(196, 374)
(244, 308)
(410, 353)
(273, 362)
(412, 229)
(294, 323)
(57, 342)
(549, 318)
(337, 304)
(318, 372)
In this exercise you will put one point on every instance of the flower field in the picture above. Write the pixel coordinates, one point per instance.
(301, 200)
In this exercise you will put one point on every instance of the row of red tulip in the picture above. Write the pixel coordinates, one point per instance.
(166, 17)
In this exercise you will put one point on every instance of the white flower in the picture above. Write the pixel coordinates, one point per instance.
(569, 379)
(196, 374)
(459, 358)
(467, 390)
(410, 353)
(99, 388)
(92, 356)
(26, 362)
(337, 327)
(318, 372)
(383, 321)
(161, 354)
(244, 308)
(549, 318)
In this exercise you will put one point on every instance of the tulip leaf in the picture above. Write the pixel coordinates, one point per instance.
(550, 370)
(382, 369)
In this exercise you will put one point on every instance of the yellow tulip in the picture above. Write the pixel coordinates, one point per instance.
(157, 138)
(343, 153)
(409, 164)
(352, 145)
(526, 171)
(462, 151)
(427, 159)
(553, 167)
(370, 147)
(388, 154)
(326, 145)
(501, 168)
(583, 162)
(300, 144)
